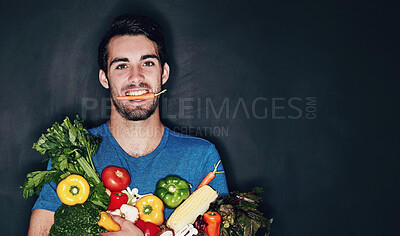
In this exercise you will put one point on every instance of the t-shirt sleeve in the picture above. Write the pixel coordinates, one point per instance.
(219, 182)
(48, 199)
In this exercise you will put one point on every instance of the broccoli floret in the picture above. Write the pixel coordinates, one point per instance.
(80, 219)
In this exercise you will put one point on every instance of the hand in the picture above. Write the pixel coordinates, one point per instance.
(127, 228)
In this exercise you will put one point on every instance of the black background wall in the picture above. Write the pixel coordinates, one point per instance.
(300, 98)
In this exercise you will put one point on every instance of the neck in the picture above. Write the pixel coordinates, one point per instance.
(137, 138)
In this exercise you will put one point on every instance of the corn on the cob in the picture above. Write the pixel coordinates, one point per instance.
(196, 204)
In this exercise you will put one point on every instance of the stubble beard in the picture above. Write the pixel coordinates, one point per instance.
(134, 113)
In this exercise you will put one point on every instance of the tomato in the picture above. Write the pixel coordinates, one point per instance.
(115, 178)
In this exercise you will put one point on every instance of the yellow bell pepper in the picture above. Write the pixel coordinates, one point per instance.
(73, 190)
(107, 222)
(151, 209)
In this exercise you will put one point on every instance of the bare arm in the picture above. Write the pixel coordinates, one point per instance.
(41, 222)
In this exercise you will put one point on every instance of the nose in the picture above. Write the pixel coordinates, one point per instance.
(136, 75)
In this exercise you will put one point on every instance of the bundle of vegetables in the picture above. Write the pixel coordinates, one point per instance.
(70, 148)
(200, 213)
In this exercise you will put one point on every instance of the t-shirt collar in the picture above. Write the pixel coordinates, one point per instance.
(118, 148)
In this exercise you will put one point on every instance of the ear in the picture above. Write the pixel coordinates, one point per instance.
(165, 75)
(103, 79)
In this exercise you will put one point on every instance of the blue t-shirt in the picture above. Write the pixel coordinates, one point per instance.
(189, 157)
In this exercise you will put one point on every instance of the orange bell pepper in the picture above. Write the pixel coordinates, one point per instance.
(151, 209)
(213, 219)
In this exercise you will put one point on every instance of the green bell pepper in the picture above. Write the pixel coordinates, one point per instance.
(172, 190)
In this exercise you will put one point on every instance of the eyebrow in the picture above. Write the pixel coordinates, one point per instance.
(144, 57)
(124, 59)
(118, 59)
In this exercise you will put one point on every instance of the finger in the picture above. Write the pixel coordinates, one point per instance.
(118, 219)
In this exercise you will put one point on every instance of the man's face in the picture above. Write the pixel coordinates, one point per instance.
(134, 69)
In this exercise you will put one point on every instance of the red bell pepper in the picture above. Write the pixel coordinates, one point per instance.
(116, 200)
(148, 228)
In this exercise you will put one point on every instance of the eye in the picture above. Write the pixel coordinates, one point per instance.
(148, 63)
(121, 67)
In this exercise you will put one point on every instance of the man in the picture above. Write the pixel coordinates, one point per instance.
(132, 62)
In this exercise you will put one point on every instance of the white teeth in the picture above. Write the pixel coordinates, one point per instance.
(135, 93)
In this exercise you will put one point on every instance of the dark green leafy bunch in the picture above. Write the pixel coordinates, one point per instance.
(239, 213)
(80, 219)
(70, 148)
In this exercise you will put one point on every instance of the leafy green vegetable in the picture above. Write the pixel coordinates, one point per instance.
(239, 213)
(80, 219)
(70, 148)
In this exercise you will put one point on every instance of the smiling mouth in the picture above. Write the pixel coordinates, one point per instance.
(138, 95)
(136, 92)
